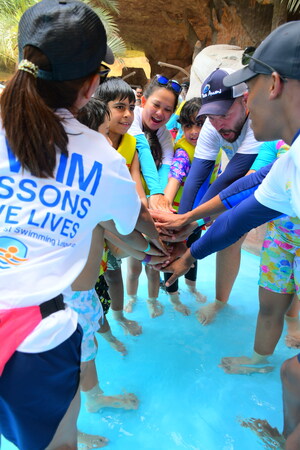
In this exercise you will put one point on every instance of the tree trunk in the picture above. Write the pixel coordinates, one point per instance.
(279, 13)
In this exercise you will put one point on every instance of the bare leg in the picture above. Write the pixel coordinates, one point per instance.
(106, 333)
(134, 269)
(292, 338)
(116, 291)
(290, 378)
(155, 308)
(65, 437)
(228, 265)
(268, 331)
(95, 399)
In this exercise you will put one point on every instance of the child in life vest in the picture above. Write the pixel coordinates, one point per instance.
(120, 100)
(183, 157)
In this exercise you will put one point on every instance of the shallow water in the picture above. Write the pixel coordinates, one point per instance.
(186, 400)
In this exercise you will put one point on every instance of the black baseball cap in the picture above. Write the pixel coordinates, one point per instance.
(69, 33)
(217, 98)
(279, 52)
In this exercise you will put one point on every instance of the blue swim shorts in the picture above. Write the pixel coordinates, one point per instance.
(36, 390)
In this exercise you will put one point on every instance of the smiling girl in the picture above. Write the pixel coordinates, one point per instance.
(149, 128)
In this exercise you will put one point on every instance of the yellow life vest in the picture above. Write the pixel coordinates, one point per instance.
(127, 148)
(190, 149)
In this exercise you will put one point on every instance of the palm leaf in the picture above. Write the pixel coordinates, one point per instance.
(293, 5)
(111, 5)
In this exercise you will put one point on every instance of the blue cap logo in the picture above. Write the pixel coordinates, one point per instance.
(206, 89)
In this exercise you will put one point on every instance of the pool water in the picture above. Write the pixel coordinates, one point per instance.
(186, 400)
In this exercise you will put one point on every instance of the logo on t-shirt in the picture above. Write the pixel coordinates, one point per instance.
(12, 252)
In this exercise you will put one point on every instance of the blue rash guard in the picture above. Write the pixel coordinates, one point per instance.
(201, 169)
(232, 225)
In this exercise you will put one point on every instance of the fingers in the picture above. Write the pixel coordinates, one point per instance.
(172, 279)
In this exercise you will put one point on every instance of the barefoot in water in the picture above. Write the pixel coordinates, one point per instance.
(292, 340)
(122, 401)
(89, 441)
(154, 307)
(193, 290)
(130, 327)
(207, 313)
(180, 307)
(244, 366)
(114, 342)
(130, 304)
(270, 436)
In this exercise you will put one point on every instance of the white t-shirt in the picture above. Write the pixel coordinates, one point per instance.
(163, 134)
(280, 190)
(210, 142)
(47, 223)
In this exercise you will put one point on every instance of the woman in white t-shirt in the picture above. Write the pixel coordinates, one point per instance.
(58, 180)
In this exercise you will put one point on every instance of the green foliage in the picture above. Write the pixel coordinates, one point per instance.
(12, 10)
(293, 5)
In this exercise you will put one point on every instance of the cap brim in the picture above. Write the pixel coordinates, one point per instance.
(218, 108)
(238, 77)
(109, 57)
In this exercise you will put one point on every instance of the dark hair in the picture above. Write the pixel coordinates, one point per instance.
(34, 132)
(114, 88)
(151, 135)
(188, 111)
(93, 113)
(153, 86)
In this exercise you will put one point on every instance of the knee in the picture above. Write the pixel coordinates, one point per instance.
(134, 271)
(113, 276)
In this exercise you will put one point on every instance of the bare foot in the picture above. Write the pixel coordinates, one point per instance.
(130, 326)
(198, 296)
(244, 366)
(122, 401)
(89, 441)
(129, 306)
(155, 308)
(180, 307)
(293, 340)
(269, 435)
(207, 313)
(118, 345)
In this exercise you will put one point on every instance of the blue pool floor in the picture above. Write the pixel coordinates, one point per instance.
(186, 400)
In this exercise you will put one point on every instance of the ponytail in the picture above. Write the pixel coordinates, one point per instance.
(33, 130)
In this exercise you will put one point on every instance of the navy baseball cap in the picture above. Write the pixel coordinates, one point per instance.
(217, 98)
(279, 52)
(69, 33)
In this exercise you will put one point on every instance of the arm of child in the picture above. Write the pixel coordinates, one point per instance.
(121, 249)
(87, 278)
(135, 173)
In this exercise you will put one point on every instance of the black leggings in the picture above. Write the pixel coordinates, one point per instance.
(192, 273)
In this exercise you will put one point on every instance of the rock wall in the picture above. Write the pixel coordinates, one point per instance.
(168, 31)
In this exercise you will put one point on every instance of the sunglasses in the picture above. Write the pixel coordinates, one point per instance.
(248, 55)
(103, 72)
(173, 84)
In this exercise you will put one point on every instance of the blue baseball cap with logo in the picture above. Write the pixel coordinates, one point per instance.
(217, 98)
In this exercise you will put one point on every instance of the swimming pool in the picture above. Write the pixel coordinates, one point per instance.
(186, 400)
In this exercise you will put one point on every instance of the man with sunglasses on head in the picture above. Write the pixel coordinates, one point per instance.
(273, 79)
(227, 127)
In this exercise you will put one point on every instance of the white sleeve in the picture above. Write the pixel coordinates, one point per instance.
(165, 140)
(121, 197)
(249, 145)
(209, 142)
(275, 190)
(136, 126)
